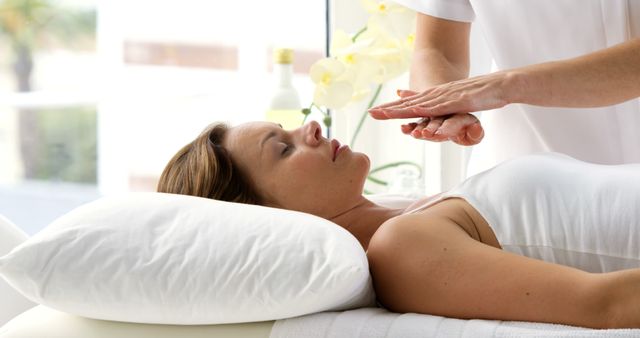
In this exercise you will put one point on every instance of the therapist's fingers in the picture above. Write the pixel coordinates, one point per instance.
(409, 99)
(479, 93)
(407, 128)
(441, 107)
(474, 134)
(471, 136)
(418, 106)
(405, 96)
(405, 93)
(419, 126)
(427, 107)
(463, 129)
(396, 113)
(456, 123)
(429, 131)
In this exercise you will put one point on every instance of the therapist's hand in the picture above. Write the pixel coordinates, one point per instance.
(464, 96)
(463, 129)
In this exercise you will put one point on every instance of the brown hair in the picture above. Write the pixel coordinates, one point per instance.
(205, 168)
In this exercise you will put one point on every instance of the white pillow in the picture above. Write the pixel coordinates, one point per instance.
(12, 302)
(174, 259)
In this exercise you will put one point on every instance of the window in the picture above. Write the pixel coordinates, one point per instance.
(123, 85)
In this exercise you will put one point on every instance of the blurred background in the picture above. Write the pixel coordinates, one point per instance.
(96, 95)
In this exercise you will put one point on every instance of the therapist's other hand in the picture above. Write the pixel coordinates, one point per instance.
(463, 129)
(464, 96)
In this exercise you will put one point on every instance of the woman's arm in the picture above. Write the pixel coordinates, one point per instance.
(430, 265)
(605, 77)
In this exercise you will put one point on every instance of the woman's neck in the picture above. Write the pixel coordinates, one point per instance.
(363, 219)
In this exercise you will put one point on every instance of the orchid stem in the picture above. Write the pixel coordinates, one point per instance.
(307, 115)
(355, 37)
(311, 110)
(377, 180)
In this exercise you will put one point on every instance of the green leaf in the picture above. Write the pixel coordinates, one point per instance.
(327, 121)
(306, 111)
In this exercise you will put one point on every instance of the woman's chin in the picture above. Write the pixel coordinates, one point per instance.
(363, 157)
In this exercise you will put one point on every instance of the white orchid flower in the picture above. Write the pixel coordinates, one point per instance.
(361, 68)
(393, 56)
(389, 18)
(379, 53)
(332, 88)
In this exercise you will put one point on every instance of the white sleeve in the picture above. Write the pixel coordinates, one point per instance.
(456, 10)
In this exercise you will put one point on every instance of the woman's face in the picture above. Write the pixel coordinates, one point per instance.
(298, 169)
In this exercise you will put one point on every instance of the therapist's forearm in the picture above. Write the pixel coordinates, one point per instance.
(602, 78)
(430, 67)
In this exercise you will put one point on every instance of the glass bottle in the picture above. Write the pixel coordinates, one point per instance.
(284, 105)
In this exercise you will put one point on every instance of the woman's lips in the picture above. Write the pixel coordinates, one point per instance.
(342, 148)
(335, 146)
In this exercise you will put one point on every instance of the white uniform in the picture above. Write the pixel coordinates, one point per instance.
(524, 32)
(559, 209)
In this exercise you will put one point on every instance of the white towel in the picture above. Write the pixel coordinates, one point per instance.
(379, 323)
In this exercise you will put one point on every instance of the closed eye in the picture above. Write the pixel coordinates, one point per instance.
(285, 150)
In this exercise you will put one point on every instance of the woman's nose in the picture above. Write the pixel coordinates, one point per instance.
(313, 133)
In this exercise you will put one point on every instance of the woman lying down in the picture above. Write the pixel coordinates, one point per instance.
(542, 238)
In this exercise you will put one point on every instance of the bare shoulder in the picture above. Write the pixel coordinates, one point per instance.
(423, 227)
(457, 211)
(447, 215)
(446, 225)
(413, 252)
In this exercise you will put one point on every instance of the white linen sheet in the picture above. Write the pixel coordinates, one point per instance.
(379, 323)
